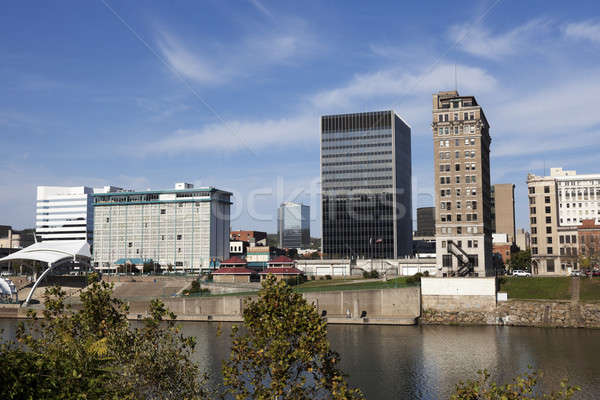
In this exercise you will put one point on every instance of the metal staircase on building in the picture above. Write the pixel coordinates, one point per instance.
(464, 263)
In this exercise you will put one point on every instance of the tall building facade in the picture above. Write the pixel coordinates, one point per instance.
(425, 222)
(463, 222)
(366, 185)
(67, 213)
(558, 205)
(184, 228)
(293, 225)
(503, 210)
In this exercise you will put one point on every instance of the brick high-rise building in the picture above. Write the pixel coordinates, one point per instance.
(462, 180)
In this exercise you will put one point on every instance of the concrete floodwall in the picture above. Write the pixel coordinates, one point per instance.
(458, 294)
(383, 303)
(402, 302)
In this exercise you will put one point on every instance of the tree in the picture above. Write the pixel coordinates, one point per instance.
(94, 354)
(522, 387)
(520, 260)
(282, 351)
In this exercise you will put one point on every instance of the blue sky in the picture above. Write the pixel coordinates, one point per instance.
(228, 94)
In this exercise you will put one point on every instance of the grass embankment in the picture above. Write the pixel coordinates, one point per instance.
(310, 286)
(589, 290)
(538, 288)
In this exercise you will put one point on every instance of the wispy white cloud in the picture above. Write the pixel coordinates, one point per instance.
(586, 30)
(396, 82)
(260, 7)
(480, 41)
(238, 136)
(224, 62)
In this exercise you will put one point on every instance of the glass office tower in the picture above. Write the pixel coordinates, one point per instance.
(293, 223)
(366, 185)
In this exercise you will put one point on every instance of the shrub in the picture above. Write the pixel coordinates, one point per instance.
(374, 274)
(328, 277)
(426, 273)
(366, 275)
(312, 277)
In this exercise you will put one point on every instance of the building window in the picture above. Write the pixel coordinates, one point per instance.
(107, 219)
(531, 190)
(548, 250)
(574, 239)
(549, 264)
(532, 210)
(163, 211)
(534, 240)
(129, 244)
(547, 209)
(546, 189)
(447, 260)
(548, 229)
(534, 250)
(178, 237)
(533, 230)
(547, 199)
(533, 221)
(457, 167)
(549, 240)
(548, 220)
(561, 239)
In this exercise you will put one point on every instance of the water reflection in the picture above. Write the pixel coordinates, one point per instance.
(426, 362)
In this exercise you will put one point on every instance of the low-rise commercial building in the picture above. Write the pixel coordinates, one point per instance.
(182, 229)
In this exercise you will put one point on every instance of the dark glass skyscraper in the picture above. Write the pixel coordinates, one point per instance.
(366, 185)
(293, 222)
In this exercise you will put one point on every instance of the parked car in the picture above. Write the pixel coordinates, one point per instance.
(519, 272)
(596, 272)
(576, 273)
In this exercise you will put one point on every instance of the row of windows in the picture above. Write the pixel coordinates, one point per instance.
(549, 250)
(470, 244)
(445, 180)
(470, 205)
(457, 130)
(468, 192)
(534, 220)
(371, 178)
(389, 135)
(371, 153)
(358, 146)
(335, 164)
(547, 209)
(467, 116)
(457, 142)
(356, 122)
(360, 187)
(446, 167)
(351, 171)
(448, 217)
(470, 229)
(532, 189)
(445, 155)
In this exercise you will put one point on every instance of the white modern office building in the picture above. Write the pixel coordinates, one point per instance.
(185, 228)
(67, 212)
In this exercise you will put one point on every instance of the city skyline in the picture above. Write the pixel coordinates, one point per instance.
(140, 98)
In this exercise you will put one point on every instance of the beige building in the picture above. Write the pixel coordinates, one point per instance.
(522, 239)
(503, 210)
(463, 221)
(12, 239)
(558, 205)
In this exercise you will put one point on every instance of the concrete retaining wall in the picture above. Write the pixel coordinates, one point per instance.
(458, 294)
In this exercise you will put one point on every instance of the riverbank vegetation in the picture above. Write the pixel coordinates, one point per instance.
(94, 353)
(536, 288)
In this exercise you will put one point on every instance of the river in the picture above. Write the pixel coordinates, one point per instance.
(425, 362)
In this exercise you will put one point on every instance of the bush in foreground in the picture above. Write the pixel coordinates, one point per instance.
(282, 351)
(93, 353)
(522, 387)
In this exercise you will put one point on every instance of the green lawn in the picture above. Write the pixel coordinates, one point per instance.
(590, 289)
(549, 288)
(370, 284)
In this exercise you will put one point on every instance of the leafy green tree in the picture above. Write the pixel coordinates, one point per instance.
(520, 260)
(93, 353)
(522, 387)
(282, 351)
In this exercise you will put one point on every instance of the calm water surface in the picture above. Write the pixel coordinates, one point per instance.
(425, 362)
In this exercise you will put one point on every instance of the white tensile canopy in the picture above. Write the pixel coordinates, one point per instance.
(54, 253)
